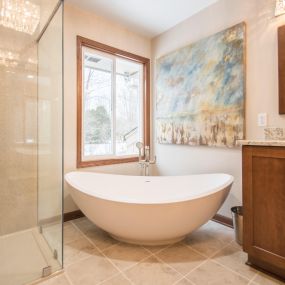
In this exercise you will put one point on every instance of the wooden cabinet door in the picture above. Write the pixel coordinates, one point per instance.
(264, 204)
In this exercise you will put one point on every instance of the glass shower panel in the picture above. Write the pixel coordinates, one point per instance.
(50, 130)
(25, 254)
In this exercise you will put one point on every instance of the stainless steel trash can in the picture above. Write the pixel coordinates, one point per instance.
(237, 213)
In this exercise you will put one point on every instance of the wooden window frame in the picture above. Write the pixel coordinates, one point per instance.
(84, 42)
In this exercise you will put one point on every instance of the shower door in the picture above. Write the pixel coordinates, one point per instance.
(30, 140)
(50, 135)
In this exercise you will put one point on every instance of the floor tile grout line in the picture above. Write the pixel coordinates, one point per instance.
(80, 259)
(72, 241)
(211, 255)
(151, 254)
(109, 278)
(196, 267)
(163, 262)
(68, 278)
(124, 275)
(160, 250)
(253, 278)
(225, 266)
(230, 269)
(211, 258)
(122, 272)
(130, 267)
(74, 226)
(82, 236)
(183, 275)
(109, 247)
(255, 275)
(216, 252)
(90, 240)
(197, 251)
(102, 252)
(176, 282)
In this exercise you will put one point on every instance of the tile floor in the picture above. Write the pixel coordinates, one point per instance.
(23, 255)
(207, 256)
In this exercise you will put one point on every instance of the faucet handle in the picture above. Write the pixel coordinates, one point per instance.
(139, 145)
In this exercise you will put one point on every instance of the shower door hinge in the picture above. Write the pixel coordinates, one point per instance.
(46, 271)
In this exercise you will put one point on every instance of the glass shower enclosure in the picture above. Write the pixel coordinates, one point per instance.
(31, 139)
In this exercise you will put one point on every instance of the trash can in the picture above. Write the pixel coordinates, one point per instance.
(237, 213)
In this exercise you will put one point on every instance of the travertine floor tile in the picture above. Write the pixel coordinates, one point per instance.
(70, 233)
(210, 238)
(77, 250)
(57, 280)
(101, 239)
(125, 255)
(158, 265)
(155, 249)
(233, 257)
(83, 223)
(181, 258)
(264, 279)
(91, 271)
(152, 271)
(21, 259)
(184, 281)
(211, 273)
(117, 280)
(220, 231)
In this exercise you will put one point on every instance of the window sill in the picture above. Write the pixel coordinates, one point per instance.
(83, 164)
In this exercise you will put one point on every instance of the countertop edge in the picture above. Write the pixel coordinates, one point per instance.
(261, 142)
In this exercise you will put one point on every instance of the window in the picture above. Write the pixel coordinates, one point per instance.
(113, 104)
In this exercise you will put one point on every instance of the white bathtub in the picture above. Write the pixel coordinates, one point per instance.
(149, 210)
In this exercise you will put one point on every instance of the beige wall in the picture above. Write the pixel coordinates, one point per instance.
(262, 84)
(89, 25)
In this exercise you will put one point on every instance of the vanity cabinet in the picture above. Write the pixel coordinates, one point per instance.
(264, 207)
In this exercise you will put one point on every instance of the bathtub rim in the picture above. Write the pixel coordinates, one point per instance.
(222, 187)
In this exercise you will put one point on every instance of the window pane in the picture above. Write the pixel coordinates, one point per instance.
(97, 89)
(128, 106)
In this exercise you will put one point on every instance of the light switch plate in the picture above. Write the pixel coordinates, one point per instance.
(262, 119)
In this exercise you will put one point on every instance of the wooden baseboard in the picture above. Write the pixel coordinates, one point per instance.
(223, 220)
(72, 215)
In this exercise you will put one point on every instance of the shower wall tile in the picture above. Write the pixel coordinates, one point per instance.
(18, 135)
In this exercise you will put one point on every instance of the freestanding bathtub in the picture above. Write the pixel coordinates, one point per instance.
(149, 210)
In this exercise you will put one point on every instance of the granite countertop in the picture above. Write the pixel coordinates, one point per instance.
(261, 142)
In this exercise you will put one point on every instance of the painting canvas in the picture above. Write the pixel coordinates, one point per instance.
(200, 91)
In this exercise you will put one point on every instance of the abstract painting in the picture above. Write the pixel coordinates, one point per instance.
(200, 91)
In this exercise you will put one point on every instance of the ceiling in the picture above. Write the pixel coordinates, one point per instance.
(147, 17)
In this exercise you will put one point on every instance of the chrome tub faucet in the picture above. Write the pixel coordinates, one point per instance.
(147, 161)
